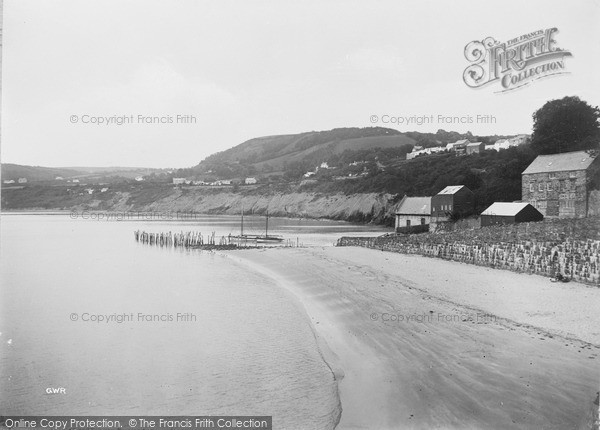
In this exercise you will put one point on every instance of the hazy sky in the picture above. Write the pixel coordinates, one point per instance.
(253, 68)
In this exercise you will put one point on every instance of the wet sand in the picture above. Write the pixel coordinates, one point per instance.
(426, 343)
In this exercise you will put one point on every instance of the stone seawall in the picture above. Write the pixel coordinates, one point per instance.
(522, 248)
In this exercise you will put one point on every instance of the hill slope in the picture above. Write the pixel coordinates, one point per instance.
(277, 153)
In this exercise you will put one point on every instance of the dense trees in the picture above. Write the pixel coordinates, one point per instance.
(564, 125)
(492, 176)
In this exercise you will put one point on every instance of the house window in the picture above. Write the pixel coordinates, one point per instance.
(422, 221)
(531, 188)
(408, 223)
(449, 207)
(552, 175)
(549, 186)
(540, 187)
(572, 174)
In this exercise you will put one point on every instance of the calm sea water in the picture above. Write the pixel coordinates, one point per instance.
(242, 346)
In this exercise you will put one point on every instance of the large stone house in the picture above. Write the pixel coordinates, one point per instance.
(558, 184)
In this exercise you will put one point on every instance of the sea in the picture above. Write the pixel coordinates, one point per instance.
(94, 323)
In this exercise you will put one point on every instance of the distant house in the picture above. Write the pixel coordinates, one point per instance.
(475, 148)
(509, 213)
(139, 178)
(458, 146)
(250, 181)
(89, 190)
(490, 147)
(413, 215)
(103, 190)
(226, 182)
(518, 140)
(9, 181)
(501, 144)
(22, 180)
(558, 184)
(59, 178)
(452, 199)
(428, 151)
(75, 181)
(178, 181)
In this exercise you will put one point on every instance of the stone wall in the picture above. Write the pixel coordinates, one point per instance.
(545, 248)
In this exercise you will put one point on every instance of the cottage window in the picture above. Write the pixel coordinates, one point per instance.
(531, 188)
(572, 174)
(541, 187)
(549, 186)
(422, 221)
(552, 175)
(408, 223)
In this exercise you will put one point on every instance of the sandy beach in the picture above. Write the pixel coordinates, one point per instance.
(425, 343)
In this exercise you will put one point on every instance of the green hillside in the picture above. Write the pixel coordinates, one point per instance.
(36, 173)
(277, 153)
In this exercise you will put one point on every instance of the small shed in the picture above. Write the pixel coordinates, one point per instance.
(413, 215)
(509, 213)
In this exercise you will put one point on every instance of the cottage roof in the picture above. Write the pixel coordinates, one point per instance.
(577, 160)
(505, 209)
(474, 144)
(414, 206)
(451, 189)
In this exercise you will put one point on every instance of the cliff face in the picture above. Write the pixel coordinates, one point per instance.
(355, 207)
(368, 207)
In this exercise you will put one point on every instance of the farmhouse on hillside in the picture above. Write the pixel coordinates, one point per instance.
(558, 184)
(413, 215)
(509, 213)
(475, 148)
(454, 199)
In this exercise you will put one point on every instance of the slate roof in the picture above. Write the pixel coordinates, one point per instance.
(414, 206)
(451, 189)
(504, 209)
(567, 161)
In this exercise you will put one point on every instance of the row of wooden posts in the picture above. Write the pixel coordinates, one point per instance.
(194, 239)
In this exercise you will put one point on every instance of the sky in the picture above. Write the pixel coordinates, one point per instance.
(235, 70)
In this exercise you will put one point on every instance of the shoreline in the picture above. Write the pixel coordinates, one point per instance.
(392, 374)
(58, 212)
